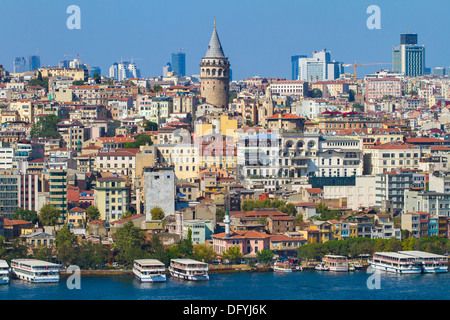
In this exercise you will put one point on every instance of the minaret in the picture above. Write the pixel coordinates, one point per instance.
(215, 73)
(227, 224)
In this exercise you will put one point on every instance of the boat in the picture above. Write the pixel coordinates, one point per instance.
(321, 267)
(282, 268)
(431, 263)
(351, 267)
(188, 269)
(149, 270)
(4, 272)
(395, 262)
(33, 270)
(358, 266)
(335, 262)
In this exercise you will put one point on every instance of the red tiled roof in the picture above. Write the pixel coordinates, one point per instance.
(314, 190)
(283, 237)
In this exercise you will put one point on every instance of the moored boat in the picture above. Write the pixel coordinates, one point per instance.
(36, 271)
(335, 262)
(431, 263)
(282, 268)
(321, 267)
(188, 269)
(4, 272)
(395, 262)
(149, 270)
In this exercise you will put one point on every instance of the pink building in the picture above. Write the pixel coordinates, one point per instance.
(379, 87)
(249, 242)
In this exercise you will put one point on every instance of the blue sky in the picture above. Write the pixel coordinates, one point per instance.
(258, 36)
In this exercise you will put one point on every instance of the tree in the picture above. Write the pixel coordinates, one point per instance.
(220, 214)
(78, 82)
(43, 253)
(25, 214)
(264, 256)
(46, 127)
(141, 140)
(185, 246)
(127, 214)
(157, 213)
(204, 252)
(351, 96)
(128, 242)
(65, 245)
(49, 215)
(315, 93)
(39, 81)
(233, 254)
(97, 78)
(151, 126)
(92, 213)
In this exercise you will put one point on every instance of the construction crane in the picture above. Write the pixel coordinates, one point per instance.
(355, 65)
(70, 55)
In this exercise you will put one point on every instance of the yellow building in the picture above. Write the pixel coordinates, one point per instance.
(112, 197)
(74, 73)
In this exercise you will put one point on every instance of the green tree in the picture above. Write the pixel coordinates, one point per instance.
(92, 213)
(46, 127)
(78, 82)
(97, 78)
(233, 254)
(65, 245)
(2, 248)
(204, 252)
(128, 242)
(141, 140)
(351, 96)
(264, 256)
(151, 126)
(127, 214)
(49, 215)
(220, 214)
(25, 214)
(315, 93)
(185, 246)
(157, 213)
(43, 253)
(39, 81)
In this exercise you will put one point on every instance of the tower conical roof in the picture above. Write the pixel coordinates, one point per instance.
(214, 48)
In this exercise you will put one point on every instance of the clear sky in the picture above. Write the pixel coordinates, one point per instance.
(259, 37)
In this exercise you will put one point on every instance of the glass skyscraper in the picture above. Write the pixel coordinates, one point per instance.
(295, 65)
(409, 57)
(29, 63)
(179, 63)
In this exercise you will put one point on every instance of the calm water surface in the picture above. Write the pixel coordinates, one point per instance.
(306, 285)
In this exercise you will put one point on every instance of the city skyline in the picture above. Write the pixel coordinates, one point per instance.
(252, 49)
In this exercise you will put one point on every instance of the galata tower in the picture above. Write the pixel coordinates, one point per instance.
(215, 73)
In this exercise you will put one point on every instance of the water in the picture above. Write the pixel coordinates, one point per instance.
(306, 285)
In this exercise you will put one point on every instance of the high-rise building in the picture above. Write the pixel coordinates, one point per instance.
(166, 69)
(19, 64)
(214, 73)
(319, 67)
(179, 63)
(124, 70)
(58, 192)
(29, 63)
(33, 63)
(295, 64)
(409, 58)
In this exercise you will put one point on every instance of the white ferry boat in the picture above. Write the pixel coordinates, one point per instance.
(188, 269)
(35, 270)
(4, 272)
(431, 263)
(149, 270)
(395, 262)
(282, 267)
(335, 262)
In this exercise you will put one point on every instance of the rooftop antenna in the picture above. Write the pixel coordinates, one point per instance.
(214, 22)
